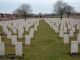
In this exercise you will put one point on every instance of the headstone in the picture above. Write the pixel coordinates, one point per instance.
(14, 39)
(9, 35)
(18, 49)
(73, 29)
(56, 30)
(66, 38)
(74, 47)
(35, 27)
(27, 28)
(0, 38)
(51, 26)
(61, 33)
(27, 39)
(71, 33)
(31, 33)
(78, 38)
(2, 48)
(65, 29)
(6, 30)
(14, 30)
(20, 33)
(78, 26)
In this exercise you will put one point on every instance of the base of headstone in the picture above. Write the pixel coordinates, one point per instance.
(28, 46)
(2, 56)
(20, 57)
(10, 56)
(13, 56)
(73, 54)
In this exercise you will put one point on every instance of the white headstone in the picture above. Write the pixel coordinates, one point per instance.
(74, 47)
(78, 26)
(31, 33)
(66, 38)
(61, 33)
(27, 28)
(0, 38)
(35, 27)
(14, 30)
(56, 30)
(2, 48)
(78, 38)
(71, 33)
(27, 39)
(14, 39)
(18, 49)
(9, 35)
(73, 29)
(65, 29)
(20, 33)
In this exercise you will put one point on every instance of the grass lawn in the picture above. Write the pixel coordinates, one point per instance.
(46, 45)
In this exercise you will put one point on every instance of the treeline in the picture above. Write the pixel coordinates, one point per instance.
(60, 9)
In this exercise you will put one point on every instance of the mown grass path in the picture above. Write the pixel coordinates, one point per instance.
(46, 45)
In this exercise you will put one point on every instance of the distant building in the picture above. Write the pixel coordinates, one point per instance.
(13, 16)
(7, 16)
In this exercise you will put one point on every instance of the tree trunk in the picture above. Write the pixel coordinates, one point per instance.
(61, 15)
(25, 17)
(68, 14)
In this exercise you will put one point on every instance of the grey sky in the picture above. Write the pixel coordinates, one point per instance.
(44, 6)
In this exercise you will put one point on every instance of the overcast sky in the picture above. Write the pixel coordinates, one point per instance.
(43, 6)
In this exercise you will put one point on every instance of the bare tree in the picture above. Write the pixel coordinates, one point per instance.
(17, 13)
(68, 10)
(24, 10)
(59, 8)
